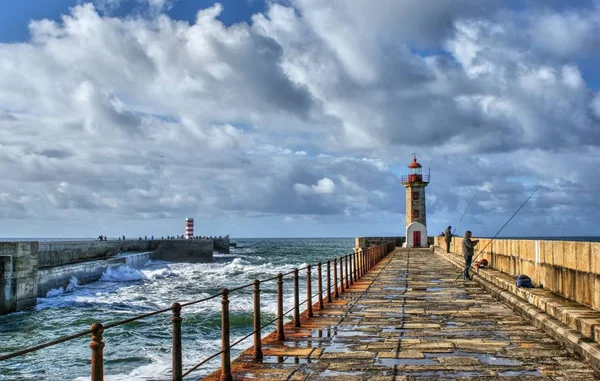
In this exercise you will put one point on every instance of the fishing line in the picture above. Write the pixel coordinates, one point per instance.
(506, 223)
(465, 212)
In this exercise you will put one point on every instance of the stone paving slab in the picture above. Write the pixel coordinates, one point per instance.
(407, 319)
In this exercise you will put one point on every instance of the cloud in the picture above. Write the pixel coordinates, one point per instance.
(310, 109)
(322, 187)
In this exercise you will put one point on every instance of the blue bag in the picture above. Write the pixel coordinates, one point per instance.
(524, 281)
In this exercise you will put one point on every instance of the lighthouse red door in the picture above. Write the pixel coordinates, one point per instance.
(417, 238)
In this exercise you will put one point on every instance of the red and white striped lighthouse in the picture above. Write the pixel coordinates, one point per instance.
(189, 228)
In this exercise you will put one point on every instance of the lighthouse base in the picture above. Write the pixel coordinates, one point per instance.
(416, 235)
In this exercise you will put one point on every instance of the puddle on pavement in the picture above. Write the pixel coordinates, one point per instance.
(519, 373)
(336, 347)
(353, 333)
(444, 375)
(391, 362)
(393, 330)
(286, 360)
(491, 360)
(484, 358)
(470, 374)
(394, 288)
(335, 373)
(322, 333)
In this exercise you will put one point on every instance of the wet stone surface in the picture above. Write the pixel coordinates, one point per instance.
(408, 319)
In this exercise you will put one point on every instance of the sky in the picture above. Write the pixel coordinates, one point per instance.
(297, 118)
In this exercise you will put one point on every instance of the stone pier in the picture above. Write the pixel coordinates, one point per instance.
(29, 269)
(18, 275)
(409, 318)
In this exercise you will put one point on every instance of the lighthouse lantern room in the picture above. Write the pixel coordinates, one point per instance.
(416, 222)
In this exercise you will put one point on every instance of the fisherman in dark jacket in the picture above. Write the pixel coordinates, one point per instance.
(468, 251)
(448, 234)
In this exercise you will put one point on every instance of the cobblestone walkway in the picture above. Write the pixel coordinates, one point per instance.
(409, 320)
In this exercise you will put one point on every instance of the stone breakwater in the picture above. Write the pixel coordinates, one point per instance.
(30, 269)
(408, 319)
(568, 268)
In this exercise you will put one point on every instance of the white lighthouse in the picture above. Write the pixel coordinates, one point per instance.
(416, 222)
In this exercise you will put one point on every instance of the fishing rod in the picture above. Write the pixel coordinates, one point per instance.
(506, 223)
(463, 215)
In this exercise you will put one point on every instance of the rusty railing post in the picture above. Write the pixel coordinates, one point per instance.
(355, 272)
(280, 334)
(353, 265)
(97, 347)
(341, 274)
(296, 299)
(329, 282)
(363, 266)
(347, 273)
(226, 355)
(177, 350)
(257, 344)
(309, 310)
(351, 273)
(320, 285)
(360, 264)
(335, 286)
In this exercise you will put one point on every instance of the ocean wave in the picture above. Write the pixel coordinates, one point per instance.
(73, 283)
(127, 274)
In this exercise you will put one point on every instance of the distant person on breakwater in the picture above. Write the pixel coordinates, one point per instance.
(468, 249)
(448, 234)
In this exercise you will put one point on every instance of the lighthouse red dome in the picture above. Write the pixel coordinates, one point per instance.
(414, 164)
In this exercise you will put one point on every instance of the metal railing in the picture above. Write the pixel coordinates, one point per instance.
(351, 268)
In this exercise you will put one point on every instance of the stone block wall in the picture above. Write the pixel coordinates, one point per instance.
(221, 245)
(19, 275)
(568, 268)
(364, 242)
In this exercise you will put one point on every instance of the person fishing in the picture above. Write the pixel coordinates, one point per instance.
(468, 251)
(448, 235)
(465, 272)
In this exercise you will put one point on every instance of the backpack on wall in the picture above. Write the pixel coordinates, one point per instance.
(524, 281)
(483, 264)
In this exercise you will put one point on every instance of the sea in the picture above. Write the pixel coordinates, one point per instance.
(141, 350)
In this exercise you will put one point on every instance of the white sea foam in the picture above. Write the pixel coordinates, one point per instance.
(122, 274)
(127, 274)
(73, 283)
(143, 286)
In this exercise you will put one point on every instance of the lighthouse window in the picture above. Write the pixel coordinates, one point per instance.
(415, 195)
(415, 214)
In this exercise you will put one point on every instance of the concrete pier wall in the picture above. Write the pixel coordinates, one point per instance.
(58, 253)
(19, 271)
(28, 270)
(568, 268)
(221, 245)
(364, 242)
(59, 276)
(185, 250)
